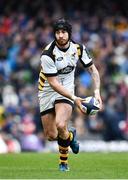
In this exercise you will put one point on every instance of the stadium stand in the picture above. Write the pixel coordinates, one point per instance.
(25, 28)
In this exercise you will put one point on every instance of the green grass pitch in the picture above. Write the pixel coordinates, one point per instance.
(82, 166)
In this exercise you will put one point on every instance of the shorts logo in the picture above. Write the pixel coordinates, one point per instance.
(59, 58)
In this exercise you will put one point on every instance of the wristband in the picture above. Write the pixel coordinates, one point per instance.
(73, 97)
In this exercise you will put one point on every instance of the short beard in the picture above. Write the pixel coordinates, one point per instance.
(63, 43)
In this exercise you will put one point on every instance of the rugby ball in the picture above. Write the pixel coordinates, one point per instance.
(90, 105)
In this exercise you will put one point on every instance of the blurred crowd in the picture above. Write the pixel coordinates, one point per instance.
(25, 29)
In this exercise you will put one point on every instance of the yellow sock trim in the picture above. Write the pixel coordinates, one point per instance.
(63, 148)
(62, 161)
(71, 136)
(63, 155)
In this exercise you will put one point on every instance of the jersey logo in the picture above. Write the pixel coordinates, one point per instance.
(59, 59)
(66, 70)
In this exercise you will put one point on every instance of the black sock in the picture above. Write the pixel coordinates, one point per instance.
(63, 149)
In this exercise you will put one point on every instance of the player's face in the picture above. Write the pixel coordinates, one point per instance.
(62, 37)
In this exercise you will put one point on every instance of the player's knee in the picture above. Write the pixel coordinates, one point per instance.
(61, 126)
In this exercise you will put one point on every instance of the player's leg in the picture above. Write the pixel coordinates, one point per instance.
(63, 114)
(47, 112)
(49, 126)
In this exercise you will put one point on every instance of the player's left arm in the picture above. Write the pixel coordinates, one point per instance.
(96, 82)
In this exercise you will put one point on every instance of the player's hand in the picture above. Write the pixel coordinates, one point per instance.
(78, 101)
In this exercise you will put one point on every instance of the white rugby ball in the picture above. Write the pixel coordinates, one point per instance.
(90, 105)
